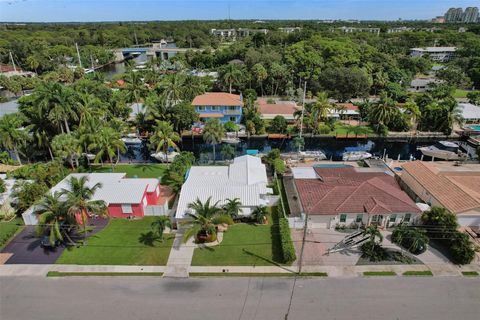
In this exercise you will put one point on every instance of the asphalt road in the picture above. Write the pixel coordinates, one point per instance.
(238, 298)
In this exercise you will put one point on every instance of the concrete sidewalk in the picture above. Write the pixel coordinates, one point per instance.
(180, 257)
(332, 271)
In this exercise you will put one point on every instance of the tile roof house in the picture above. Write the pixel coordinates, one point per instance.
(345, 111)
(245, 179)
(124, 197)
(348, 195)
(286, 109)
(454, 188)
(221, 105)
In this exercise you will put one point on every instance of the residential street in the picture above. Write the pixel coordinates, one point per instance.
(238, 298)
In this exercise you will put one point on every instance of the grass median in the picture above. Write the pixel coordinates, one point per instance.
(425, 273)
(53, 274)
(379, 274)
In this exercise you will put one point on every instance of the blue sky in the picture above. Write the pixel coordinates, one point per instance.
(115, 10)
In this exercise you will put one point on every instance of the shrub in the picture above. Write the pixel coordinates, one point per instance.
(279, 166)
(323, 129)
(230, 126)
(373, 251)
(2, 186)
(413, 239)
(463, 251)
(288, 250)
(278, 125)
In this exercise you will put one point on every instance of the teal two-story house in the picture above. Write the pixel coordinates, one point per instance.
(223, 106)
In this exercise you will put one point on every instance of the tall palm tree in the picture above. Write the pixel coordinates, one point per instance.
(59, 100)
(164, 137)
(373, 233)
(12, 136)
(79, 201)
(193, 87)
(382, 111)
(135, 87)
(321, 108)
(413, 112)
(39, 126)
(204, 218)
(213, 133)
(52, 212)
(231, 74)
(172, 88)
(107, 143)
(66, 146)
(89, 106)
(232, 207)
(156, 108)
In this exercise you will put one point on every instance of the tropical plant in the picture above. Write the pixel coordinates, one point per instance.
(203, 220)
(107, 143)
(231, 74)
(2, 186)
(164, 137)
(12, 136)
(228, 151)
(66, 147)
(372, 249)
(260, 214)
(382, 112)
(213, 133)
(232, 207)
(79, 200)
(159, 225)
(321, 109)
(278, 125)
(134, 86)
(413, 239)
(53, 213)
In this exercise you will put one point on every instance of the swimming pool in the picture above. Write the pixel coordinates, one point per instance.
(475, 127)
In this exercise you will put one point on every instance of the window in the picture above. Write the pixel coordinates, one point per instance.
(374, 218)
(407, 217)
(233, 119)
(359, 218)
(214, 108)
(127, 208)
(231, 108)
(201, 108)
(393, 218)
(343, 217)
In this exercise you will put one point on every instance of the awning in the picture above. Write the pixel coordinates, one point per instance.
(211, 115)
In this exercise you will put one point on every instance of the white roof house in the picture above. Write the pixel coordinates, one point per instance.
(245, 179)
(114, 189)
(470, 112)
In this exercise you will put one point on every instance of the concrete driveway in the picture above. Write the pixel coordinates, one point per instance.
(318, 241)
(25, 247)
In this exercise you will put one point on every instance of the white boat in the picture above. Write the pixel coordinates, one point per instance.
(131, 138)
(160, 156)
(356, 155)
(444, 150)
(90, 156)
(231, 140)
(315, 155)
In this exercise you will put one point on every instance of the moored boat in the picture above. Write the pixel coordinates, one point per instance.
(444, 150)
(356, 155)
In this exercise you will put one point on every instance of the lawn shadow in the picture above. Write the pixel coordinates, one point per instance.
(148, 238)
(266, 260)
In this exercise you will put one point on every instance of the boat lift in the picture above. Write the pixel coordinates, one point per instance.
(351, 241)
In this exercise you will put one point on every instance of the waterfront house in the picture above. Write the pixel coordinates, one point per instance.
(124, 197)
(347, 196)
(470, 112)
(345, 111)
(286, 109)
(245, 179)
(456, 188)
(223, 106)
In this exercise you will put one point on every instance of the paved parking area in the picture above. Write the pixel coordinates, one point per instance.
(318, 241)
(25, 247)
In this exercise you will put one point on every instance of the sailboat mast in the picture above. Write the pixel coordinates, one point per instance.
(13, 61)
(78, 55)
(303, 108)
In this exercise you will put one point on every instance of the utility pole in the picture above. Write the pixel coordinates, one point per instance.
(78, 55)
(13, 61)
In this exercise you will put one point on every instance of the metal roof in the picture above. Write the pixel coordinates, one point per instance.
(245, 179)
(115, 187)
(469, 111)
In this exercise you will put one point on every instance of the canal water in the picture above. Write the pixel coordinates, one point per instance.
(333, 148)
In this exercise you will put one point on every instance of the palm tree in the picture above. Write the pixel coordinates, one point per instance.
(320, 109)
(373, 233)
(79, 200)
(260, 74)
(135, 87)
(228, 151)
(156, 108)
(231, 74)
(12, 136)
(107, 143)
(413, 112)
(88, 107)
(192, 87)
(232, 207)
(52, 212)
(260, 214)
(66, 146)
(164, 137)
(213, 133)
(159, 226)
(382, 111)
(59, 101)
(172, 88)
(205, 218)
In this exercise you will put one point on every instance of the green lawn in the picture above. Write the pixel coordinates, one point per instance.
(459, 93)
(122, 242)
(256, 239)
(139, 170)
(9, 229)
(341, 129)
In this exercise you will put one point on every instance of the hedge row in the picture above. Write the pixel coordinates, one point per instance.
(288, 250)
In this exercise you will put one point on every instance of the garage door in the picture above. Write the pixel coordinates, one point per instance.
(469, 221)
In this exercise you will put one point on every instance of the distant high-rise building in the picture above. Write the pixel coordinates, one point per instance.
(470, 15)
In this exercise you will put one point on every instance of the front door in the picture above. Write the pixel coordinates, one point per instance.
(377, 220)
